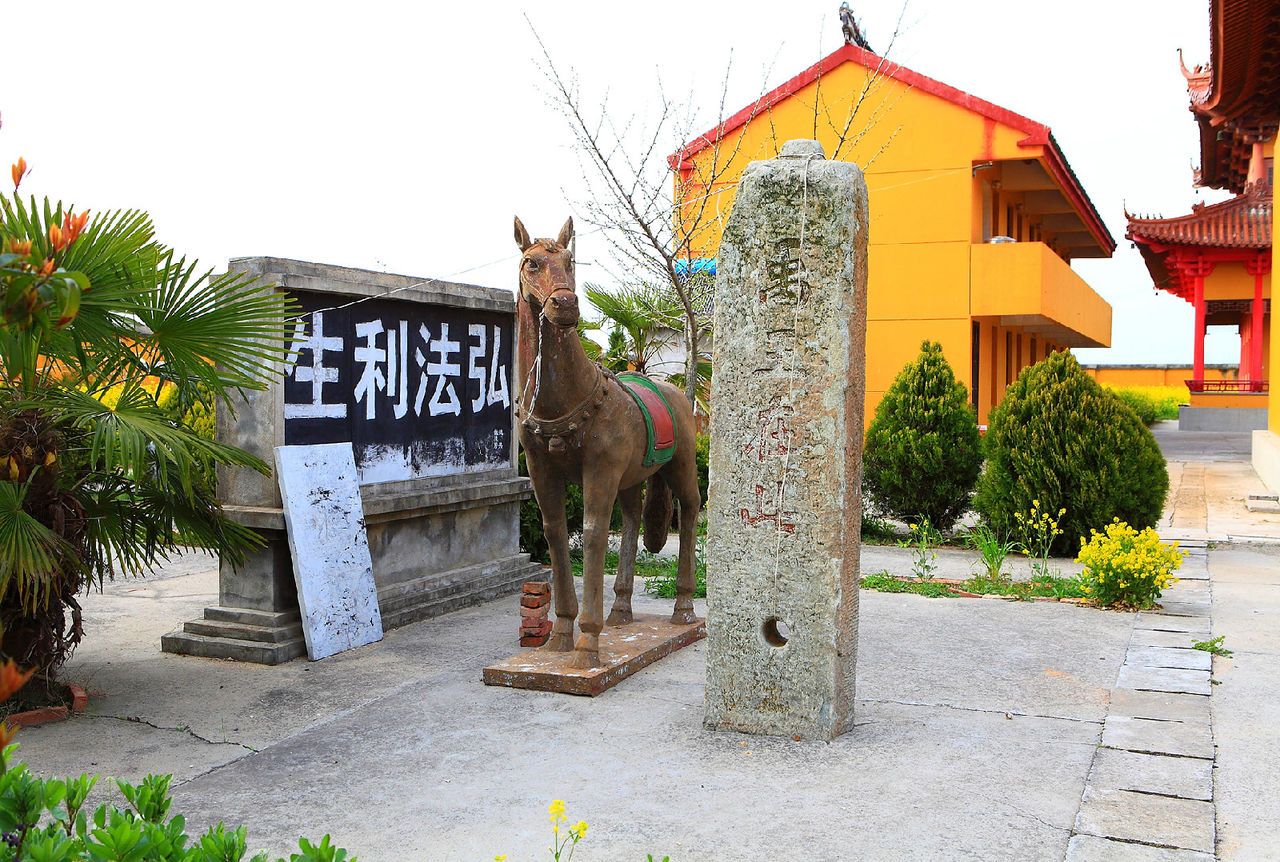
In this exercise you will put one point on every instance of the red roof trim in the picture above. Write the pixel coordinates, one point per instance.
(1037, 134)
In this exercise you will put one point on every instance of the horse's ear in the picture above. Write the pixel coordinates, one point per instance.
(522, 235)
(566, 233)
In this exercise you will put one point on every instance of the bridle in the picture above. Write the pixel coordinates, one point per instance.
(573, 423)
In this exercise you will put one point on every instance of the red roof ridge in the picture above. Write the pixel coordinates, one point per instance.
(1242, 221)
(1037, 134)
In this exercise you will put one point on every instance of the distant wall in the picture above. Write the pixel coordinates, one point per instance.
(1156, 375)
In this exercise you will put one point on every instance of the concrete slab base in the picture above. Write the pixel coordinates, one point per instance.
(1221, 418)
(623, 651)
(1091, 848)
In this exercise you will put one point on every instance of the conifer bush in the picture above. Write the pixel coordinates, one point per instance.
(1061, 441)
(923, 453)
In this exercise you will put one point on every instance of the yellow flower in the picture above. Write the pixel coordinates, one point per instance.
(501, 857)
(579, 829)
(556, 810)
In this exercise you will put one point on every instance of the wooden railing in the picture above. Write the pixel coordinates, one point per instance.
(1228, 385)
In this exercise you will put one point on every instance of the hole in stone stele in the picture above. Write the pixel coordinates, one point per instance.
(776, 633)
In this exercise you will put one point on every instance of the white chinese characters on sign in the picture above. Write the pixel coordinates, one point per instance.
(381, 356)
(315, 372)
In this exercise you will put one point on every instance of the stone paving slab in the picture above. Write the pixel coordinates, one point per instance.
(1090, 848)
(1160, 706)
(1178, 607)
(1170, 623)
(1176, 738)
(1153, 638)
(1185, 777)
(1164, 679)
(1184, 824)
(1168, 657)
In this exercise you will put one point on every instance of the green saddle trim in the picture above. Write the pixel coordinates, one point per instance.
(652, 454)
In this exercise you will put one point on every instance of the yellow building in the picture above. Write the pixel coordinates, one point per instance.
(975, 216)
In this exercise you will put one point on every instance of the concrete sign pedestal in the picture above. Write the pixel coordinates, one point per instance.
(420, 382)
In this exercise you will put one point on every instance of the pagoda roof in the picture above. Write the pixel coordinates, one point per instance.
(1235, 229)
(1037, 134)
(1236, 97)
(1242, 222)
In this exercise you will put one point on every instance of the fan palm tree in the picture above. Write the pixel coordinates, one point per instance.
(641, 319)
(92, 485)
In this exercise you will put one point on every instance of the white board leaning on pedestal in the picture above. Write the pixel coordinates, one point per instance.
(324, 518)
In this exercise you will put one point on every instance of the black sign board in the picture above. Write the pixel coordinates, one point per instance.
(419, 390)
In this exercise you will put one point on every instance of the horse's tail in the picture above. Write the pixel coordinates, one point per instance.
(657, 513)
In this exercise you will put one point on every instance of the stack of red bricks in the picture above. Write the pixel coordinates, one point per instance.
(535, 605)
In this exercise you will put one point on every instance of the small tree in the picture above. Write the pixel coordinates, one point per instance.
(923, 453)
(107, 339)
(1061, 441)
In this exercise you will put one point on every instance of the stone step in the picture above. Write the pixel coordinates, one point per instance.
(496, 586)
(240, 631)
(248, 617)
(236, 649)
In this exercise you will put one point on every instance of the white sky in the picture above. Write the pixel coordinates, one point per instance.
(404, 136)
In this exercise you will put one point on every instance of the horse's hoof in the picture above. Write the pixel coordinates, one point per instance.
(619, 617)
(586, 659)
(683, 616)
(559, 642)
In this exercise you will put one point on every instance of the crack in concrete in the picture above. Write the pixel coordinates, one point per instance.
(1040, 820)
(1154, 844)
(1004, 712)
(134, 719)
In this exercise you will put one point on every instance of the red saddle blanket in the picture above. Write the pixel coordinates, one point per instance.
(659, 420)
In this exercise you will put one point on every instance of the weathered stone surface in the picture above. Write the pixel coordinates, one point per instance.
(1171, 623)
(1160, 706)
(1175, 640)
(785, 503)
(1186, 777)
(1163, 679)
(1181, 739)
(1186, 659)
(1091, 848)
(1185, 824)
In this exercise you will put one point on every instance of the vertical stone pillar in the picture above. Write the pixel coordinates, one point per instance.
(785, 506)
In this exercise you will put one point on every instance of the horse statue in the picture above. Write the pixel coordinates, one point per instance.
(613, 435)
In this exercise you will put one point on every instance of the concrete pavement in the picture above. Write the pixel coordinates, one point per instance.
(976, 727)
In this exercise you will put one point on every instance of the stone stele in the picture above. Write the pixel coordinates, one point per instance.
(785, 506)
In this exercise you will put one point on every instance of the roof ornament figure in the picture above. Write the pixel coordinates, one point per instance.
(852, 33)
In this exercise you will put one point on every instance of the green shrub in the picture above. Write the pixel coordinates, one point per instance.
(47, 819)
(1061, 441)
(1127, 567)
(923, 452)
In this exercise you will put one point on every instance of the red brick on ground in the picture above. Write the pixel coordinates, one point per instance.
(539, 629)
(534, 641)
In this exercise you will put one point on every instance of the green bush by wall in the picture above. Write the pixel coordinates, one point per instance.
(1060, 438)
(923, 452)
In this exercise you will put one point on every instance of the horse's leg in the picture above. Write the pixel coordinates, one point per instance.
(548, 487)
(598, 495)
(684, 483)
(622, 584)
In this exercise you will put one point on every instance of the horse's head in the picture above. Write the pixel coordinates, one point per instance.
(546, 275)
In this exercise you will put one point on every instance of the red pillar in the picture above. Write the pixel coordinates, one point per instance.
(1246, 349)
(1258, 268)
(1198, 360)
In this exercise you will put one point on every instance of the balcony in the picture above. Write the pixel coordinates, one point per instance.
(1024, 284)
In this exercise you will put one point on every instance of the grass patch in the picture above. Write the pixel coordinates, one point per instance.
(887, 583)
(659, 573)
(1213, 645)
(1039, 587)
